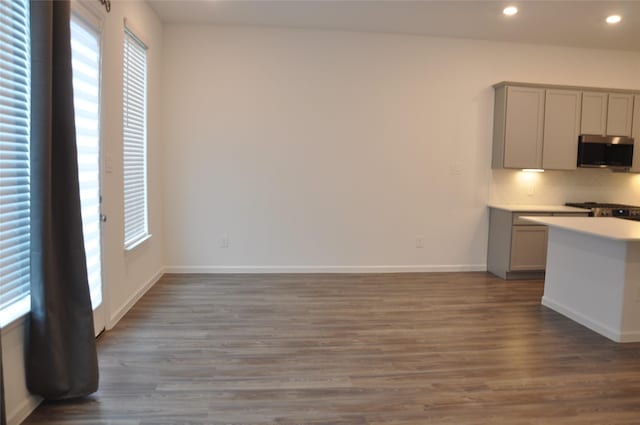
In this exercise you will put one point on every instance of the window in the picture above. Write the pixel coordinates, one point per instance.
(136, 227)
(85, 53)
(14, 160)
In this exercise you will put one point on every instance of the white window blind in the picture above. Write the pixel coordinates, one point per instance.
(85, 53)
(136, 228)
(14, 160)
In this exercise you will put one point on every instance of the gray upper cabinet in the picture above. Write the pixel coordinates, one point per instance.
(561, 129)
(538, 126)
(594, 113)
(608, 114)
(518, 127)
(619, 114)
(636, 134)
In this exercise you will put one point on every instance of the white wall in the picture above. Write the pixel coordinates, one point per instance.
(126, 277)
(19, 403)
(309, 149)
(129, 275)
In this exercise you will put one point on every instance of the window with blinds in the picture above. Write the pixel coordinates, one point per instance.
(85, 54)
(136, 228)
(14, 160)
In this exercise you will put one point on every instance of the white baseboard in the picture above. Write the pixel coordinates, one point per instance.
(119, 314)
(17, 415)
(596, 326)
(630, 336)
(326, 269)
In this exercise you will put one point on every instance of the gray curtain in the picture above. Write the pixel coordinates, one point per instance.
(61, 359)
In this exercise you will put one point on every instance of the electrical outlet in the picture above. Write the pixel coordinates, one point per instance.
(455, 169)
(225, 242)
(531, 189)
(108, 163)
(420, 242)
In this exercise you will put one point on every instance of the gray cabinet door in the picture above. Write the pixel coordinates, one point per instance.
(561, 129)
(619, 114)
(528, 248)
(594, 113)
(523, 127)
(636, 134)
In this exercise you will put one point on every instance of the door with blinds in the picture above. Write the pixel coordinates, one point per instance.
(85, 52)
(14, 161)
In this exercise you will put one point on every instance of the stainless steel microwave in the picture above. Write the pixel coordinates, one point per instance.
(605, 151)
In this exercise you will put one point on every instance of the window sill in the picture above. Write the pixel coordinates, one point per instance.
(134, 245)
(16, 315)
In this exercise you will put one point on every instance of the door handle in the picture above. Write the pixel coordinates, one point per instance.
(103, 218)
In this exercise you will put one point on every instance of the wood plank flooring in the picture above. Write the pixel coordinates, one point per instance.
(386, 349)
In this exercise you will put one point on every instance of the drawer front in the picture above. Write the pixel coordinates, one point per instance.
(519, 221)
(571, 214)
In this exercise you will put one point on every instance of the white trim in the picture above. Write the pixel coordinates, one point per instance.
(91, 11)
(133, 30)
(135, 244)
(18, 321)
(327, 269)
(17, 415)
(630, 336)
(135, 141)
(14, 314)
(20, 403)
(588, 322)
(119, 314)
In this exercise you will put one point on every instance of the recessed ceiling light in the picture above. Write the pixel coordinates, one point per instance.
(510, 11)
(614, 19)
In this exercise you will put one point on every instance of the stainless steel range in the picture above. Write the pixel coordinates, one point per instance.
(629, 212)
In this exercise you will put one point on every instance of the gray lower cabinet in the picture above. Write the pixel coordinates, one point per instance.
(528, 248)
(518, 249)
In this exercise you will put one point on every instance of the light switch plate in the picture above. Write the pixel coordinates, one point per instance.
(108, 163)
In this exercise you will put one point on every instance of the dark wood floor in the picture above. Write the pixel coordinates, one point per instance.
(463, 348)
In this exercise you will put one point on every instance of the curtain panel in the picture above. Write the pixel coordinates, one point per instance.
(61, 357)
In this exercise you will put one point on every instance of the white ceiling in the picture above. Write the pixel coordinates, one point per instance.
(576, 23)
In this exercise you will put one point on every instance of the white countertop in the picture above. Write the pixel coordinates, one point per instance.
(537, 208)
(605, 227)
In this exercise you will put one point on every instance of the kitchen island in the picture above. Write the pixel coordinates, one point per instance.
(593, 273)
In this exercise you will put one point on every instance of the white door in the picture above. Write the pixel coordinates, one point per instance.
(85, 48)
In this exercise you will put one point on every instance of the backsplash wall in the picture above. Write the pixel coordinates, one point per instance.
(558, 187)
